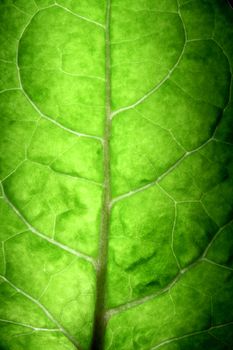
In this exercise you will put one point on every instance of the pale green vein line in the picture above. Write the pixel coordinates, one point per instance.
(77, 177)
(219, 265)
(12, 89)
(6, 61)
(79, 134)
(60, 173)
(82, 75)
(171, 340)
(131, 304)
(44, 309)
(174, 166)
(13, 171)
(46, 238)
(135, 39)
(30, 326)
(154, 89)
(33, 104)
(4, 257)
(162, 128)
(79, 16)
(215, 237)
(179, 161)
(20, 10)
(174, 224)
(145, 9)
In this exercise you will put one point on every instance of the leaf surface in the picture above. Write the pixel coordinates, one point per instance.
(116, 175)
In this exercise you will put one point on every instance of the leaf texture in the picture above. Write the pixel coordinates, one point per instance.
(116, 174)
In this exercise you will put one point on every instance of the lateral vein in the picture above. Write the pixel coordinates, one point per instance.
(44, 309)
(131, 304)
(41, 235)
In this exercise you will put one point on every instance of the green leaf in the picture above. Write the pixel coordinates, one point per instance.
(116, 169)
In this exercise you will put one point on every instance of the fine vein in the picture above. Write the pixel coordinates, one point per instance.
(44, 309)
(168, 287)
(208, 330)
(30, 326)
(156, 87)
(43, 236)
(21, 87)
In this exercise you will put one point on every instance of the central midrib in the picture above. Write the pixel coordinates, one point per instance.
(99, 317)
